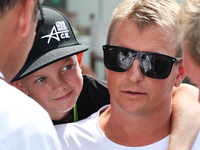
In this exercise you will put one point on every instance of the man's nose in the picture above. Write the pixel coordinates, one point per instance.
(134, 73)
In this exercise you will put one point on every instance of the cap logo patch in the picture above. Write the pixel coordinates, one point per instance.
(59, 31)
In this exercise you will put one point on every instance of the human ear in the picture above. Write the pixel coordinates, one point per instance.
(25, 16)
(79, 58)
(180, 74)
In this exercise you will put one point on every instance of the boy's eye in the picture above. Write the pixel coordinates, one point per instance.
(67, 67)
(41, 79)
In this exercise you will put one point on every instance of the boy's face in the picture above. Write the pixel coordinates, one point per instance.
(56, 87)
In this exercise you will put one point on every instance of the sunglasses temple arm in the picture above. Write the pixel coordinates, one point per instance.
(179, 59)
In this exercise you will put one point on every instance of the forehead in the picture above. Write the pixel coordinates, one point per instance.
(54, 66)
(153, 38)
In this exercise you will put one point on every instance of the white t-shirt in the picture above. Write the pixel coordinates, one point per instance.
(24, 124)
(87, 135)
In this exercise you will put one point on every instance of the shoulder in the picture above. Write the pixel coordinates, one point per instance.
(15, 103)
(71, 135)
(77, 127)
(24, 121)
(82, 126)
(17, 110)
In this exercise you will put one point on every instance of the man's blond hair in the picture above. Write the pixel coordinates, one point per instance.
(145, 13)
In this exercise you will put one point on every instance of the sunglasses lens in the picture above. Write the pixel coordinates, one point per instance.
(117, 59)
(156, 65)
(153, 65)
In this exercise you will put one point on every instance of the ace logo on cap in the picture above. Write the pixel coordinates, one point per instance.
(61, 30)
(54, 41)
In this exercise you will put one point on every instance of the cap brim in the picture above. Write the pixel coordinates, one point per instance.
(48, 58)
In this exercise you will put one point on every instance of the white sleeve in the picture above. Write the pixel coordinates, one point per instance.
(32, 137)
(24, 124)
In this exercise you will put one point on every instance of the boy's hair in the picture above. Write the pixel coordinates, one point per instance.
(145, 13)
(54, 41)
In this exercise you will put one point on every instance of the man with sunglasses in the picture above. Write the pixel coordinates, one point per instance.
(25, 125)
(143, 65)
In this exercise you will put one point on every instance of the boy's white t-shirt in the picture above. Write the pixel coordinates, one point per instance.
(86, 134)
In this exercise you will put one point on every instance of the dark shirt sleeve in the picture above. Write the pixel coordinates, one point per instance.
(93, 96)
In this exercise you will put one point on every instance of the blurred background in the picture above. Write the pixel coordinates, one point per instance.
(90, 20)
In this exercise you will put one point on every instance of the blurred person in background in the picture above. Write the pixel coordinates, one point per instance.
(189, 21)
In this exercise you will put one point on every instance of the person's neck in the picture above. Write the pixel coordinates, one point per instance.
(135, 130)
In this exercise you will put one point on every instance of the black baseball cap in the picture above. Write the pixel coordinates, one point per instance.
(54, 41)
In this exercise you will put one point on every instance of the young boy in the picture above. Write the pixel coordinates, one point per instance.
(52, 74)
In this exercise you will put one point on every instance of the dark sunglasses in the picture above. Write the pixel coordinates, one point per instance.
(40, 17)
(153, 65)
